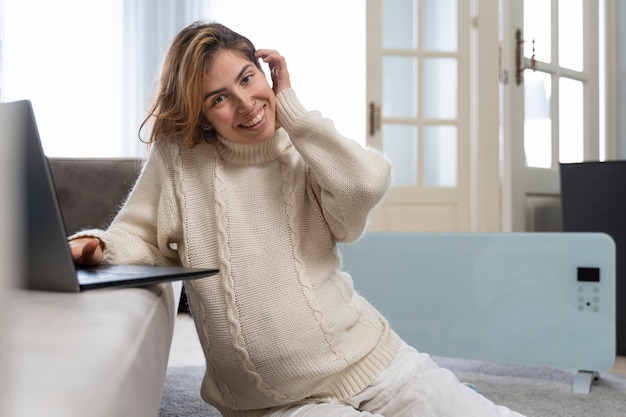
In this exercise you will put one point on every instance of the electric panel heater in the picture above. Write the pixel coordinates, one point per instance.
(545, 299)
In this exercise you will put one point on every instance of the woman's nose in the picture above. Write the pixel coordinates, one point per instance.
(246, 103)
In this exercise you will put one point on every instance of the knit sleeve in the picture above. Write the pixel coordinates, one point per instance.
(349, 179)
(147, 227)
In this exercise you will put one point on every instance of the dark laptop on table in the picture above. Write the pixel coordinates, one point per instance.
(48, 264)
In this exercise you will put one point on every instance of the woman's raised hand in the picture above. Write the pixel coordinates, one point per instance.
(278, 69)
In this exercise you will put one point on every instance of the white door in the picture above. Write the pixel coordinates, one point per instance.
(550, 50)
(418, 90)
(432, 94)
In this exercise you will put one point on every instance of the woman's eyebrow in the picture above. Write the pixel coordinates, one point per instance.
(219, 90)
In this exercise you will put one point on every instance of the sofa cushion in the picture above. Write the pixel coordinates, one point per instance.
(91, 190)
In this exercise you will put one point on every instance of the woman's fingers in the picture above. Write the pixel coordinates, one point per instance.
(86, 251)
(278, 68)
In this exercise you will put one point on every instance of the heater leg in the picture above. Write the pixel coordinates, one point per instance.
(583, 381)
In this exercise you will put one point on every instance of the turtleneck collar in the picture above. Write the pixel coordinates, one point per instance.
(245, 154)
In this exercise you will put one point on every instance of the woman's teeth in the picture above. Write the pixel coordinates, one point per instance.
(254, 121)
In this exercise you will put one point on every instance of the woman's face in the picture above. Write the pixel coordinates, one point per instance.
(238, 101)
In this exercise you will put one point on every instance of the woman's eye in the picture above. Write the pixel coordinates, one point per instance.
(218, 99)
(247, 79)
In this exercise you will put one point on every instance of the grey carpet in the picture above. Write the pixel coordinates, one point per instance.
(532, 391)
(181, 395)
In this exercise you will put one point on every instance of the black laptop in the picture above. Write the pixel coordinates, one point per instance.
(48, 263)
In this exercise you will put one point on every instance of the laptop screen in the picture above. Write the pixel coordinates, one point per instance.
(47, 253)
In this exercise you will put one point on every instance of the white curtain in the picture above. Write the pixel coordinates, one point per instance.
(88, 67)
(148, 28)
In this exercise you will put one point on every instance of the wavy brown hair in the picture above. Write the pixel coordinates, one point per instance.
(178, 103)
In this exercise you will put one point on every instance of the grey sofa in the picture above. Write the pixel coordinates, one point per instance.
(98, 353)
(90, 190)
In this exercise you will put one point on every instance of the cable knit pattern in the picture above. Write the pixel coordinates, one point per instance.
(281, 322)
(301, 269)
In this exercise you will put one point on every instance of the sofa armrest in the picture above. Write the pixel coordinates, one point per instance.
(97, 353)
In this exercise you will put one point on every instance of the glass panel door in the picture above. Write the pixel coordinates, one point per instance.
(418, 72)
(551, 111)
(420, 91)
(554, 90)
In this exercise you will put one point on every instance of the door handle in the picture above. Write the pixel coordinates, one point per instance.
(520, 65)
(374, 119)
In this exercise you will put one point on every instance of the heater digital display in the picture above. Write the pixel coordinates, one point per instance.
(586, 274)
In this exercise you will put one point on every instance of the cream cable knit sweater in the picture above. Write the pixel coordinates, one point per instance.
(281, 322)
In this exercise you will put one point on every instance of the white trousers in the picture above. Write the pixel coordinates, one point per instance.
(412, 385)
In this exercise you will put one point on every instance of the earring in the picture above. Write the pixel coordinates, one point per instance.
(207, 131)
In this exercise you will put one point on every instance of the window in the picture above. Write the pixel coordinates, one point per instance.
(64, 57)
(89, 67)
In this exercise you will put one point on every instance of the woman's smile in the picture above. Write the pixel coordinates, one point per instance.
(256, 120)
